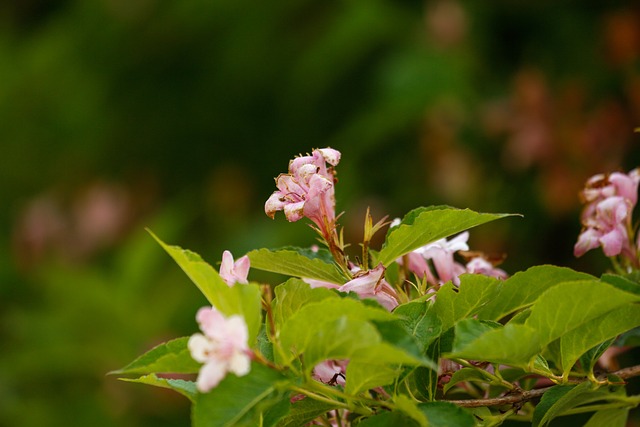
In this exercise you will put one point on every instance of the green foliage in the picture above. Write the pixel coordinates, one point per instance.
(504, 334)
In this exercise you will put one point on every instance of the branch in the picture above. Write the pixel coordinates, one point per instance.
(526, 395)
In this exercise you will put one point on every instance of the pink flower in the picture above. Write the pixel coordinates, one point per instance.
(331, 372)
(606, 225)
(307, 190)
(371, 284)
(234, 272)
(479, 265)
(606, 218)
(223, 347)
(441, 254)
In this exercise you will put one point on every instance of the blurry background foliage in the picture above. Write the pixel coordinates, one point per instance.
(177, 115)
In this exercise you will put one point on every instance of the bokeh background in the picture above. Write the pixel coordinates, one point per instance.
(116, 115)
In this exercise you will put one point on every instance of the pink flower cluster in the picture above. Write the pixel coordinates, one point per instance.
(606, 218)
(440, 254)
(307, 190)
(222, 348)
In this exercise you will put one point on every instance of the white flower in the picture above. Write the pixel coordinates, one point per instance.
(223, 347)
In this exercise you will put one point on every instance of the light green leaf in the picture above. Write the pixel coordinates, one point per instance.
(170, 357)
(295, 263)
(420, 321)
(523, 288)
(185, 388)
(409, 407)
(237, 401)
(294, 294)
(569, 305)
(362, 375)
(513, 345)
(426, 225)
(595, 331)
(303, 327)
(356, 340)
(609, 417)
(453, 304)
(468, 330)
(244, 300)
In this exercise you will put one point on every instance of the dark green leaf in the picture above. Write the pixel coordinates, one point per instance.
(444, 414)
(303, 411)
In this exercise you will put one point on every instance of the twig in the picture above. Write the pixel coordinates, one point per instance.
(526, 395)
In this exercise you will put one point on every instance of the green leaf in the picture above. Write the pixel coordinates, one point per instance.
(420, 321)
(185, 388)
(295, 263)
(560, 399)
(609, 417)
(622, 283)
(513, 345)
(356, 340)
(426, 225)
(388, 419)
(455, 303)
(463, 375)
(237, 401)
(445, 414)
(595, 331)
(523, 288)
(549, 399)
(468, 330)
(294, 294)
(303, 411)
(569, 305)
(365, 375)
(303, 327)
(409, 407)
(589, 359)
(170, 357)
(244, 300)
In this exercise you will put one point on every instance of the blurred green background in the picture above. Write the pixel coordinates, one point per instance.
(117, 115)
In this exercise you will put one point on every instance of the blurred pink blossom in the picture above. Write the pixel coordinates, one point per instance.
(606, 218)
(223, 347)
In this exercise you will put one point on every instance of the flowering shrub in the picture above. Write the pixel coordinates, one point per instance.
(420, 332)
